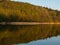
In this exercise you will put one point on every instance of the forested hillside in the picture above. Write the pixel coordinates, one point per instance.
(25, 12)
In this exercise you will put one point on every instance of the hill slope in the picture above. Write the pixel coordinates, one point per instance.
(19, 11)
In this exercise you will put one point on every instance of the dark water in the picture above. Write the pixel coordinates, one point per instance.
(30, 35)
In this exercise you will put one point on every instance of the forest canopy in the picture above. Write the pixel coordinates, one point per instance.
(20, 11)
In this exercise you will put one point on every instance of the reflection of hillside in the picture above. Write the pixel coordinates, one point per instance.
(22, 34)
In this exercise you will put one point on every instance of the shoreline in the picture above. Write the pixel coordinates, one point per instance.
(27, 23)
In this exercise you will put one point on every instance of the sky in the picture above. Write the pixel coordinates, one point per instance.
(54, 4)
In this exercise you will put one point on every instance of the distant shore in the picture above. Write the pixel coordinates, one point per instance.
(26, 23)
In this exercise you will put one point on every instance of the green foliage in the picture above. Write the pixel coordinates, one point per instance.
(2, 18)
(12, 18)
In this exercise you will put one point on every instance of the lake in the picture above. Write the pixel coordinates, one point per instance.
(43, 34)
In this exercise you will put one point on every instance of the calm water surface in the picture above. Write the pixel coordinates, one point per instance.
(30, 35)
(48, 41)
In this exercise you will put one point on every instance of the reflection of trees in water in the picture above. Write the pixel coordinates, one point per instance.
(21, 34)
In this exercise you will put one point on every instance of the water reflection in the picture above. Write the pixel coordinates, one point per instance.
(48, 41)
(10, 35)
